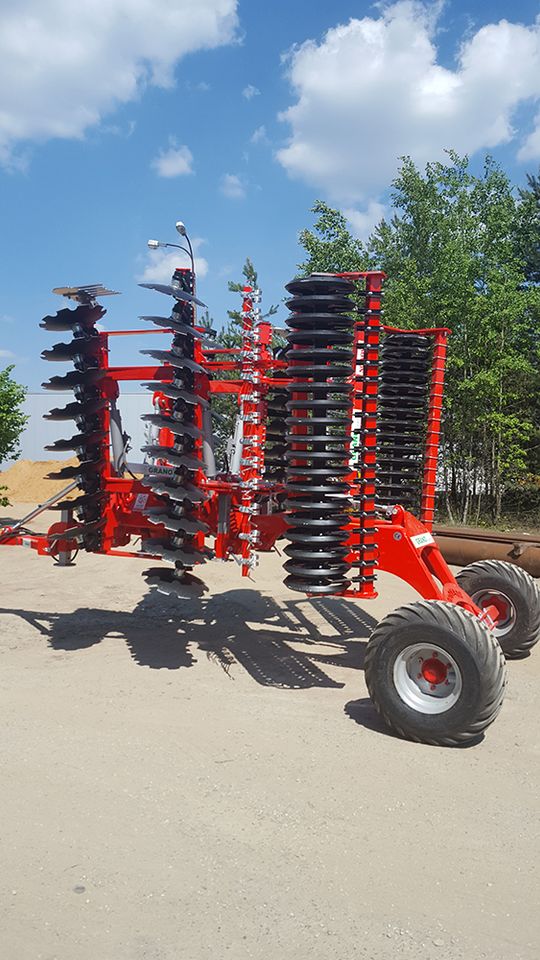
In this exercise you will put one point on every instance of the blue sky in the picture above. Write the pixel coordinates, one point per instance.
(130, 114)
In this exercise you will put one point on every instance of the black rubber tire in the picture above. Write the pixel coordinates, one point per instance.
(520, 588)
(475, 651)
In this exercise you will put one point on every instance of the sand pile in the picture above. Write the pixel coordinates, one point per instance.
(26, 483)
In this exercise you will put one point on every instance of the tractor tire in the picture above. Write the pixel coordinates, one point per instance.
(517, 596)
(435, 673)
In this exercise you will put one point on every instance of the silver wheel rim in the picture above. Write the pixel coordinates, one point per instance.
(486, 598)
(427, 678)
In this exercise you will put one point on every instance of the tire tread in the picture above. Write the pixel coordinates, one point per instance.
(523, 582)
(484, 645)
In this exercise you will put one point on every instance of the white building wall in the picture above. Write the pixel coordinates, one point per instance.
(40, 432)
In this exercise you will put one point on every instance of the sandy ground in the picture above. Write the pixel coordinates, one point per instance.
(27, 480)
(207, 780)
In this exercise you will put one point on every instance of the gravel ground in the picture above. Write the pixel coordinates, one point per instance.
(207, 780)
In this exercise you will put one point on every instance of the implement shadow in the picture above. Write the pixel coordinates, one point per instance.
(277, 644)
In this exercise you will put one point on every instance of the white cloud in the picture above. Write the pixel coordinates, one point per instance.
(259, 135)
(232, 186)
(65, 65)
(250, 91)
(362, 222)
(6, 354)
(161, 264)
(174, 162)
(200, 87)
(117, 130)
(372, 90)
(226, 270)
(530, 148)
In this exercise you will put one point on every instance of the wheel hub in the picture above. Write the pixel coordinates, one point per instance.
(500, 607)
(434, 671)
(427, 678)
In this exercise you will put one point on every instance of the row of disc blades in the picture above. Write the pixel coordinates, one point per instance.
(87, 413)
(405, 371)
(276, 429)
(318, 432)
(174, 451)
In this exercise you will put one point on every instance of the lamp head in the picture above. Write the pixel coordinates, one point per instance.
(154, 244)
(181, 228)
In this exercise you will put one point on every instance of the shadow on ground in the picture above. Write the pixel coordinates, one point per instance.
(278, 644)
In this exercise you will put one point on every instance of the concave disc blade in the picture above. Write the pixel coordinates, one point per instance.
(73, 411)
(320, 283)
(83, 316)
(173, 291)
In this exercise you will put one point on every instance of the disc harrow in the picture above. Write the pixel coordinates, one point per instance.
(334, 440)
(176, 455)
(89, 413)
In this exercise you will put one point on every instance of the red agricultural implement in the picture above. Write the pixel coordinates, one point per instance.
(334, 451)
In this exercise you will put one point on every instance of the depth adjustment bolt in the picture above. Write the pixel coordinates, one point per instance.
(252, 537)
(250, 485)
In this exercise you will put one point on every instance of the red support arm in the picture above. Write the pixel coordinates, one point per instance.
(433, 433)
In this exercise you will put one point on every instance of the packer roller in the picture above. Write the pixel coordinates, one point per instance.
(317, 447)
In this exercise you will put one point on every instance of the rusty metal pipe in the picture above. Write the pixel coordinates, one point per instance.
(463, 545)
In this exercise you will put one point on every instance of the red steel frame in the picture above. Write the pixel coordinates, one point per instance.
(433, 432)
(365, 391)
(256, 340)
(402, 545)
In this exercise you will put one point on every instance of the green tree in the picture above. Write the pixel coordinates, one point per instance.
(450, 253)
(251, 279)
(330, 247)
(528, 228)
(225, 406)
(12, 420)
(528, 251)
